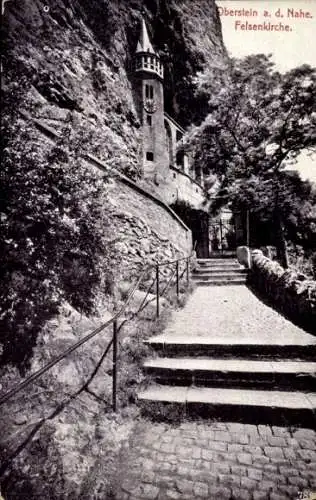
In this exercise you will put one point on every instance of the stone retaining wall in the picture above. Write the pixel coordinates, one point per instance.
(289, 291)
(145, 230)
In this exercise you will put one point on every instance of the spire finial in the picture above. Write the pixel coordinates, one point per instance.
(144, 44)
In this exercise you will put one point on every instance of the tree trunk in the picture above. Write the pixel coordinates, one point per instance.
(282, 252)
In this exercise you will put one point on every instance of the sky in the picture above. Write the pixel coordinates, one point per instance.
(289, 48)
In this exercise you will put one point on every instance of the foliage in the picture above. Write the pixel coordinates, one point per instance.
(52, 238)
(259, 122)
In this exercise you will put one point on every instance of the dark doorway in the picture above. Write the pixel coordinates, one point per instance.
(198, 222)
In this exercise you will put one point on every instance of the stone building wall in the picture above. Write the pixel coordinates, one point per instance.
(182, 187)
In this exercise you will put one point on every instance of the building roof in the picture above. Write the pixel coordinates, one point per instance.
(144, 43)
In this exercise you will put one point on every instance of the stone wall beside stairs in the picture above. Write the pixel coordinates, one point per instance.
(288, 290)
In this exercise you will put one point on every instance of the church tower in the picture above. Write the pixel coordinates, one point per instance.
(149, 75)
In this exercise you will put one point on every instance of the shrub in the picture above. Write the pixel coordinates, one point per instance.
(52, 236)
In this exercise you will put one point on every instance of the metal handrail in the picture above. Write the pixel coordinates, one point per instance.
(71, 349)
(32, 378)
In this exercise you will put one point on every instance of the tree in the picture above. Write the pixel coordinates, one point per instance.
(259, 122)
(52, 236)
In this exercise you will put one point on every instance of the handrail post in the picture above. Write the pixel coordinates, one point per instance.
(157, 291)
(114, 379)
(188, 271)
(177, 273)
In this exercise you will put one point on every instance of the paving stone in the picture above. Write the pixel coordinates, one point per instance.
(239, 470)
(167, 447)
(240, 438)
(196, 452)
(292, 442)
(146, 491)
(183, 470)
(148, 477)
(298, 481)
(270, 468)
(266, 485)
(253, 450)
(291, 491)
(251, 429)
(289, 453)
(241, 494)
(235, 427)
(249, 484)
(229, 480)
(219, 426)
(304, 434)
(184, 451)
(276, 441)
(288, 471)
(200, 490)
(222, 436)
(264, 430)
(276, 496)
(281, 432)
(308, 444)
(260, 495)
(261, 460)
(221, 468)
(172, 495)
(308, 474)
(244, 458)
(274, 452)
(279, 462)
(185, 486)
(257, 440)
(219, 493)
(276, 478)
(230, 457)
(255, 474)
(208, 455)
(218, 446)
(307, 455)
(234, 447)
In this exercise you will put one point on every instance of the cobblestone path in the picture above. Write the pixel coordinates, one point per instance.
(201, 460)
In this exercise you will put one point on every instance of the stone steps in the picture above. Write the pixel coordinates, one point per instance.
(251, 406)
(184, 345)
(219, 271)
(220, 281)
(241, 374)
(292, 375)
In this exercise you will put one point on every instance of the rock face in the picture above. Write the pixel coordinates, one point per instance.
(71, 60)
(75, 58)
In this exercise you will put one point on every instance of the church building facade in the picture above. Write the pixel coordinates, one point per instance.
(161, 161)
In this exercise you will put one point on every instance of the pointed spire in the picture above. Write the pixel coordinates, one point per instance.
(144, 44)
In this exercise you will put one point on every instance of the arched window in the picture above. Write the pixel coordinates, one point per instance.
(169, 143)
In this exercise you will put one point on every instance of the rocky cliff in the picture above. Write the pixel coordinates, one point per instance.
(67, 63)
(74, 59)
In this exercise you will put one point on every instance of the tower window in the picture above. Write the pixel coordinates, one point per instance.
(149, 120)
(149, 90)
(150, 156)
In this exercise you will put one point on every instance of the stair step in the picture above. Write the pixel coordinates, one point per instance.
(184, 345)
(237, 373)
(231, 404)
(218, 262)
(218, 275)
(220, 282)
(218, 270)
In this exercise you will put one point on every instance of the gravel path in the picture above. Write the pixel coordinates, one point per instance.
(232, 314)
